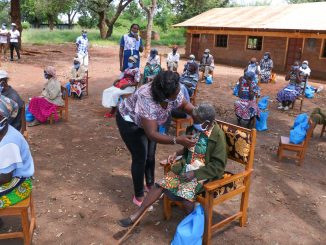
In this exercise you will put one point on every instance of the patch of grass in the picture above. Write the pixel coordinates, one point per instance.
(45, 36)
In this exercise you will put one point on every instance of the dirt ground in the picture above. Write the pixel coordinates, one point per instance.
(83, 184)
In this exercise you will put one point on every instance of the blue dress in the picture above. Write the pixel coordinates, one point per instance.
(130, 47)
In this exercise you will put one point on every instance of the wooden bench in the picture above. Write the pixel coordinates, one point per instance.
(219, 191)
(24, 209)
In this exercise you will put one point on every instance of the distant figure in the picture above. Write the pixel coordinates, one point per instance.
(190, 77)
(130, 44)
(77, 82)
(14, 41)
(4, 34)
(254, 67)
(207, 63)
(305, 71)
(266, 67)
(82, 48)
(153, 66)
(10, 93)
(172, 61)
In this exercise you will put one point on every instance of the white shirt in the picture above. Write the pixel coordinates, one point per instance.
(14, 35)
(173, 58)
(153, 61)
(3, 39)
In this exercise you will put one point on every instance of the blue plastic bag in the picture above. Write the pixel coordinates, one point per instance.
(209, 79)
(301, 119)
(28, 115)
(191, 229)
(298, 134)
(309, 92)
(263, 103)
(261, 124)
(236, 90)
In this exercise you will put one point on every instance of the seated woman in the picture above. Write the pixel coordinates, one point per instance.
(125, 85)
(289, 94)
(207, 63)
(266, 67)
(77, 83)
(254, 67)
(152, 67)
(16, 162)
(190, 78)
(203, 162)
(42, 107)
(246, 107)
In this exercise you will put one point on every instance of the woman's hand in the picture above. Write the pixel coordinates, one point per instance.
(172, 158)
(186, 141)
(188, 176)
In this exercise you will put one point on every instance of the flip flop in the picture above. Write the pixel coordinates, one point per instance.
(108, 115)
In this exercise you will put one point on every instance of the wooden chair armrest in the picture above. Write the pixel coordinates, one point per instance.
(212, 186)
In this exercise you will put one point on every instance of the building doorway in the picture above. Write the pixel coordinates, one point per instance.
(294, 51)
(195, 42)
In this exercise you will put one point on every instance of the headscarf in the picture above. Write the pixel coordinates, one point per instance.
(51, 71)
(8, 107)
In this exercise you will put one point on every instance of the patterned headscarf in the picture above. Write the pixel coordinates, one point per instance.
(51, 71)
(8, 107)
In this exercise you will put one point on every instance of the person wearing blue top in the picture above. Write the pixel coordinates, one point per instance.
(130, 44)
(82, 48)
(16, 162)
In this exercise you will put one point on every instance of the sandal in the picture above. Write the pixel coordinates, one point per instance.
(34, 123)
(108, 115)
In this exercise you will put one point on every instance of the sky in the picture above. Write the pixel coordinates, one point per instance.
(247, 2)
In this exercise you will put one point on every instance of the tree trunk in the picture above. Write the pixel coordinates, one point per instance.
(110, 31)
(69, 21)
(102, 24)
(51, 22)
(149, 29)
(16, 17)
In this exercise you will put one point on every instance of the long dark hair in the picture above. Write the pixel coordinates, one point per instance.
(165, 84)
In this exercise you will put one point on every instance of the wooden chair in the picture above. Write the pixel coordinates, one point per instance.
(23, 129)
(24, 209)
(219, 191)
(63, 108)
(300, 97)
(181, 124)
(299, 149)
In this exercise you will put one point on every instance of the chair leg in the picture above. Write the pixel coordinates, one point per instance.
(51, 119)
(208, 207)
(25, 225)
(280, 153)
(167, 208)
(244, 204)
(301, 104)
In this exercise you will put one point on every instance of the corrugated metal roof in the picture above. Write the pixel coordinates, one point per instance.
(306, 16)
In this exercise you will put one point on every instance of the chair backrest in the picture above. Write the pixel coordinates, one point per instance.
(309, 133)
(240, 142)
(23, 119)
(64, 95)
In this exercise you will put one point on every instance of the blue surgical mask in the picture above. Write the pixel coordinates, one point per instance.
(304, 66)
(199, 127)
(295, 67)
(76, 66)
(3, 123)
(84, 35)
(130, 64)
(46, 76)
(265, 57)
(170, 100)
(191, 61)
(134, 33)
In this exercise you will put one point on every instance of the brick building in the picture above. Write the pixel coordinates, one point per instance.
(288, 32)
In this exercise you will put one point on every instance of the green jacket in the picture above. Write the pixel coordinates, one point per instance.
(215, 158)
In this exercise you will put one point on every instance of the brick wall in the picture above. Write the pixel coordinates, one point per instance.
(311, 52)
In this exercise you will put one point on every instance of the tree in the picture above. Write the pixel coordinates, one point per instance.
(15, 14)
(106, 21)
(150, 11)
(72, 8)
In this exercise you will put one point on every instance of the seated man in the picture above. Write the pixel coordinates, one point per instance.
(207, 63)
(124, 85)
(152, 67)
(204, 162)
(16, 162)
(190, 77)
(77, 83)
(173, 58)
(10, 93)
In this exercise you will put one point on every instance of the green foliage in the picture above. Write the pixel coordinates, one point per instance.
(4, 12)
(26, 25)
(87, 21)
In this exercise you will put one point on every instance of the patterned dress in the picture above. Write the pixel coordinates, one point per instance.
(246, 107)
(266, 70)
(291, 91)
(195, 160)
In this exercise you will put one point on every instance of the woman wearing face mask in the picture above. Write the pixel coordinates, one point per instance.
(305, 71)
(42, 107)
(289, 94)
(130, 44)
(266, 67)
(82, 48)
(138, 120)
(152, 67)
(77, 83)
(253, 67)
(126, 84)
(205, 161)
(16, 162)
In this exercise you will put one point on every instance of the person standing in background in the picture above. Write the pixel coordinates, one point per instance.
(4, 40)
(82, 49)
(14, 41)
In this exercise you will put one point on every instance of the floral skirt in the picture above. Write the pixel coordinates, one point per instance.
(287, 94)
(180, 188)
(246, 109)
(42, 109)
(15, 191)
(265, 76)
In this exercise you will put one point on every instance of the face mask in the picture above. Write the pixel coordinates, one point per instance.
(84, 35)
(134, 33)
(3, 123)
(265, 57)
(46, 76)
(295, 67)
(170, 100)
(130, 64)
(76, 66)
(199, 127)
(206, 55)
(304, 66)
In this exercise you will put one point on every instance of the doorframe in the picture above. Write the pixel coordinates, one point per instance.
(287, 49)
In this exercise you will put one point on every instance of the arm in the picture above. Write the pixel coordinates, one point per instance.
(187, 107)
(52, 90)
